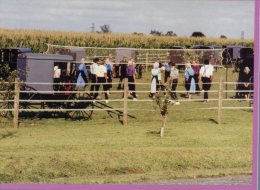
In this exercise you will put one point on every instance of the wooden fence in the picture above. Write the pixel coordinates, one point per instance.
(16, 108)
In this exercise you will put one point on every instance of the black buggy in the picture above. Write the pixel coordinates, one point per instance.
(38, 92)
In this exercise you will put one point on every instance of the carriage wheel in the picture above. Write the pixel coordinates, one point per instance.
(30, 94)
(80, 114)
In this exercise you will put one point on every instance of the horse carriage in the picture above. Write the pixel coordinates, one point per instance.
(239, 57)
(38, 92)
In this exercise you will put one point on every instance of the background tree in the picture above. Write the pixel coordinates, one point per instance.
(155, 32)
(137, 33)
(105, 28)
(223, 36)
(197, 34)
(162, 99)
(170, 33)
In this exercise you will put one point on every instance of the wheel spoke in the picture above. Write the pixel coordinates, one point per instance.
(80, 114)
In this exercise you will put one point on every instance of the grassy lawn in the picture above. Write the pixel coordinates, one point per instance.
(102, 150)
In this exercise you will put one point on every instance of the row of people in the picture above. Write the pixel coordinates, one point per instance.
(101, 73)
(193, 74)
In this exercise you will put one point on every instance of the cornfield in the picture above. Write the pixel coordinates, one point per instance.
(37, 40)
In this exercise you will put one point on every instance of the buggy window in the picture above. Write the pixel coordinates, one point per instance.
(64, 74)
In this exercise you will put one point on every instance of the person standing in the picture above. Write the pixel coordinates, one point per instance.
(109, 67)
(73, 73)
(130, 73)
(122, 72)
(82, 75)
(173, 81)
(167, 71)
(154, 82)
(189, 80)
(56, 78)
(101, 79)
(206, 76)
(196, 69)
(161, 84)
(245, 79)
(93, 76)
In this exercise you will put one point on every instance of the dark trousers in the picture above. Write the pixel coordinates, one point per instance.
(56, 87)
(161, 87)
(109, 80)
(206, 84)
(131, 86)
(188, 83)
(173, 89)
(116, 71)
(99, 81)
(196, 78)
(93, 86)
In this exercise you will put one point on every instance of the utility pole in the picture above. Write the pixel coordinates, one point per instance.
(93, 27)
(242, 35)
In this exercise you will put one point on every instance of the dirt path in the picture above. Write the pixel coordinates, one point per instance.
(227, 180)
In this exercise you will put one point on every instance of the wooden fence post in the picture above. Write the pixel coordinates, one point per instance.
(220, 98)
(16, 103)
(125, 101)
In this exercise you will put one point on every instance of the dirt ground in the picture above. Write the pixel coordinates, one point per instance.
(227, 180)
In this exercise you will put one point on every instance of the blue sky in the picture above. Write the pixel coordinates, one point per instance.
(212, 17)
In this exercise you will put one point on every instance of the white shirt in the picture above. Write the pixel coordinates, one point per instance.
(57, 72)
(101, 70)
(155, 72)
(174, 73)
(206, 70)
(93, 68)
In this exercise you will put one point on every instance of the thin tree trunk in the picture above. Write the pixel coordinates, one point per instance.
(163, 126)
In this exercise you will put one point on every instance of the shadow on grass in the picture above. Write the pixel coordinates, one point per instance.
(213, 120)
(7, 134)
(153, 133)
